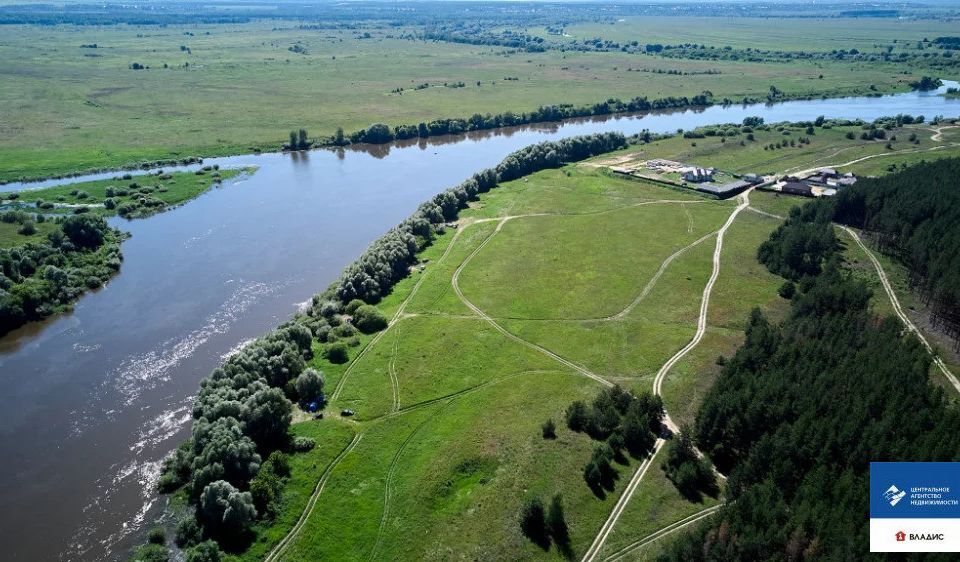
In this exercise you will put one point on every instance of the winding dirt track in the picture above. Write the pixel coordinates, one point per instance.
(899, 310)
(690, 520)
(280, 549)
(634, 483)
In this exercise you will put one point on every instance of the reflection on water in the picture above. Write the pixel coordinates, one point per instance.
(95, 399)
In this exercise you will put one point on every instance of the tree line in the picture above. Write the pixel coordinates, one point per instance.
(913, 216)
(804, 406)
(380, 133)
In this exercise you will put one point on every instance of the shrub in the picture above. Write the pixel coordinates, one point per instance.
(549, 429)
(303, 444)
(28, 228)
(352, 306)
(157, 536)
(368, 319)
(207, 551)
(309, 385)
(188, 532)
(337, 353)
(787, 290)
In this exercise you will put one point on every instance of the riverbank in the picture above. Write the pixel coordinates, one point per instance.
(55, 244)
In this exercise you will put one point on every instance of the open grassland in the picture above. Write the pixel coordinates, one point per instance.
(788, 34)
(450, 401)
(215, 89)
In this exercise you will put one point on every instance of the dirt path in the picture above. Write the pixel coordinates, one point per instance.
(621, 504)
(899, 310)
(690, 520)
(455, 282)
(399, 315)
(285, 542)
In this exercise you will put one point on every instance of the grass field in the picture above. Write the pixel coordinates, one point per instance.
(450, 408)
(234, 88)
(793, 34)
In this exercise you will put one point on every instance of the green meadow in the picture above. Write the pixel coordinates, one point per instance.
(233, 88)
(450, 407)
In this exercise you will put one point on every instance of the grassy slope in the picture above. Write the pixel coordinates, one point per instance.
(68, 108)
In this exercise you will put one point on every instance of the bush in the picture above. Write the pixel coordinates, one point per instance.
(309, 385)
(337, 353)
(368, 319)
(266, 489)
(151, 553)
(578, 417)
(207, 551)
(352, 306)
(549, 429)
(227, 511)
(787, 290)
(28, 228)
(188, 532)
(303, 444)
(157, 536)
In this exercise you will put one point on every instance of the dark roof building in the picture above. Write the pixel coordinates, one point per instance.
(797, 188)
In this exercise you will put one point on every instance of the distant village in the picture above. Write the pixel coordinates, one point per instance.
(823, 182)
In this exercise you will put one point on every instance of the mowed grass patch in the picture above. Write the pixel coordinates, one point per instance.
(776, 203)
(580, 267)
(463, 470)
(305, 471)
(436, 294)
(433, 357)
(573, 189)
(630, 350)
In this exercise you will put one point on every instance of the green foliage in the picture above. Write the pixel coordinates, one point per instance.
(691, 475)
(800, 245)
(266, 488)
(227, 512)
(368, 319)
(549, 429)
(352, 306)
(157, 535)
(267, 414)
(913, 216)
(302, 444)
(151, 553)
(799, 466)
(189, 532)
(787, 290)
(337, 353)
(207, 551)
(309, 385)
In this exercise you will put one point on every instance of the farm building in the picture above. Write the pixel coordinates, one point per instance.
(697, 175)
(797, 188)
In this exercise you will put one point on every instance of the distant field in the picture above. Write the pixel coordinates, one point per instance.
(234, 88)
(788, 34)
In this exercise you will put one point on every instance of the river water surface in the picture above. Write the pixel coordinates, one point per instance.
(93, 400)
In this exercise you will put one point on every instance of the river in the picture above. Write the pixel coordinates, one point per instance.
(96, 398)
